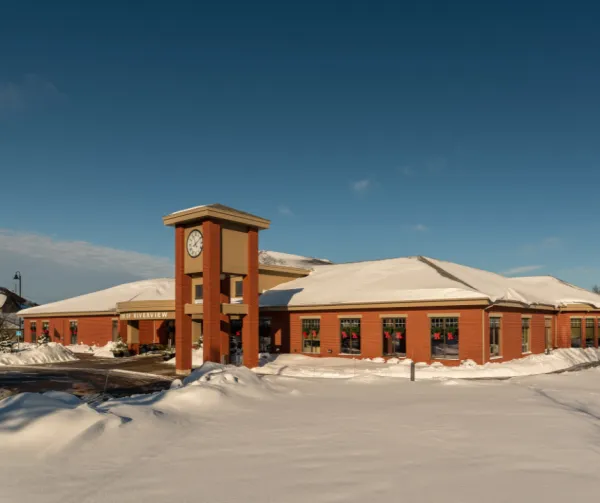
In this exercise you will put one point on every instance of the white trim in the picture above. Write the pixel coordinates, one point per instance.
(382, 316)
(309, 317)
(349, 316)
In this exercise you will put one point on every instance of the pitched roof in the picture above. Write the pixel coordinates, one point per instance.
(420, 279)
(106, 300)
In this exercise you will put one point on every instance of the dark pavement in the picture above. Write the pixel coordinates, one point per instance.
(90, 378)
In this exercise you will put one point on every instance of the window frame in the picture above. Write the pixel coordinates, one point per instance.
(73, 324)
(33, 331)
(199, 287)
(239, 284)
(548, 344)
(310, 339)
(593, 337)
(353, 336)
(441, 332)
(265, 347)
(574, 322)
(498, 337)
(526, 335)
(394, 325)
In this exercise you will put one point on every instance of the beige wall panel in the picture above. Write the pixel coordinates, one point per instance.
(268, 281)
(234, 251)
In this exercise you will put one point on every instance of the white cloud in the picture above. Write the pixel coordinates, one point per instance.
(420, 228)
(361, 185)
(548, 243)
(522, 269)
(53, 269)
(31, 90)
(285, 210)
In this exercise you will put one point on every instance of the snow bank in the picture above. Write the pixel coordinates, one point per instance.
(98, 351)
(32, 354)
(342, 368)
(197, 358)
(48, 421)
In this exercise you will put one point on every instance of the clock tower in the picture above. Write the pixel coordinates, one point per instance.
(213, 244)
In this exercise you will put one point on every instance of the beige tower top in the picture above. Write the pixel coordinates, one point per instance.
(216, 211)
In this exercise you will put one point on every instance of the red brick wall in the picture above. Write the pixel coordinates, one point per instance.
(474, 345)
(417, 327)
(90, 329)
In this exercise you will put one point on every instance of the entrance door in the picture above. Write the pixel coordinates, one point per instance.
(236, 353)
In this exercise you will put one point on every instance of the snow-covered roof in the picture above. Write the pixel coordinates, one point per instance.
(419, 279)
(557, 292)
(407, 279)
(106, 300)
(266, 257)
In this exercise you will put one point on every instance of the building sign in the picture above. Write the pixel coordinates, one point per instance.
(151, 315)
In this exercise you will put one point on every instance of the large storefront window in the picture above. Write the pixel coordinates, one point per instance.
(350, 336)
(311, 338)
(73, 330)
(575, 332)
(444, 338)
(265, 339)
(46, 329)
(33, 330)
(115, 330)
(394, 336)
(525, 335)
(589, 333)
(495, 337)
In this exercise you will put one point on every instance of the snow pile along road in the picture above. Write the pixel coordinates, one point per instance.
(33, 354)
(344, 368)
(98, 351)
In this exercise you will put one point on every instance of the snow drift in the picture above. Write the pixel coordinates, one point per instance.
(343, 368)
(32, 354)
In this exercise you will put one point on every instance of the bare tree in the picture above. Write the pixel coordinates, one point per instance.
(6, 335)
(596, 289)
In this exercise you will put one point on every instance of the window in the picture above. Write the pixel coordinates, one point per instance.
(575, 332)
(444, 338)
(525, 335)
(350, 336)
(311, 337)
(239, 288)
(394, 336)
(46, 328)
(494, 337)
(73, 329)
(199, 293)
(264, 335)
(548, 332)
(115, 330)
(589, 333)
(598, 332)
(33, 330)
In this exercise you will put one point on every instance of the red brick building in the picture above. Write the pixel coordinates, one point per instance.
(238, 298)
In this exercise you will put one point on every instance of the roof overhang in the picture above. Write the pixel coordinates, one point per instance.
(217, 213)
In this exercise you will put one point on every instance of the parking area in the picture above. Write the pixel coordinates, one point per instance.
(89, 377)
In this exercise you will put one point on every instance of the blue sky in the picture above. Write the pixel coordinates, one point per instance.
(466, 131)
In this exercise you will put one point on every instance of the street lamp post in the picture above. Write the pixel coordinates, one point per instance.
(18, 278)
(21, 327)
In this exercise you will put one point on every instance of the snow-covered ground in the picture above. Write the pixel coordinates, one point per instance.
(197, 358)
(291, 365)
(235, 437)
(31, 354)
(98, 351)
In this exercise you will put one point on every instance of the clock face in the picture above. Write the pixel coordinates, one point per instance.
(195, 242)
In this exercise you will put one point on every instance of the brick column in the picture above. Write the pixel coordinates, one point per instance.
(250, 325)
(211, 270)
(183, 295)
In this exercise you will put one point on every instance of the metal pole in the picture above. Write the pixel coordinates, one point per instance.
(412, 371)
